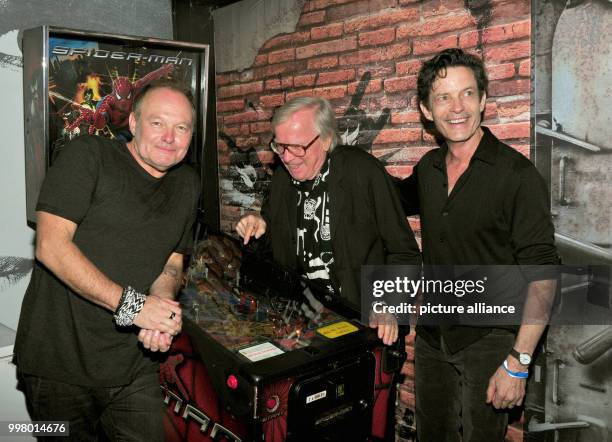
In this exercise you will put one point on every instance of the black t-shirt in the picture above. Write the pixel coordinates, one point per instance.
(129, 223)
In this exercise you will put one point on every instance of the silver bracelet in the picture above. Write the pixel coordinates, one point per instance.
(130, 304)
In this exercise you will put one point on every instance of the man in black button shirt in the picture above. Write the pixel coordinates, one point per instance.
(480, 203)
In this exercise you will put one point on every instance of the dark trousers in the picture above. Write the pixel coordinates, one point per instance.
(132, 412)
(451, 390)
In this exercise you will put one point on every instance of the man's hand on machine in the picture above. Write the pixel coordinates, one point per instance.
(387, 326)
(251, 226)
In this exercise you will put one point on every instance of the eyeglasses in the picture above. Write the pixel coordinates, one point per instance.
(296, 149)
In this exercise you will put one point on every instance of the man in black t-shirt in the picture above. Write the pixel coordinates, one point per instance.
(113, 223)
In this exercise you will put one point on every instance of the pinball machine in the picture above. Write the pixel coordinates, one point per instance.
(260, 358)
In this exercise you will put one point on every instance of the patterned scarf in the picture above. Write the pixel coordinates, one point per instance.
(314, 250)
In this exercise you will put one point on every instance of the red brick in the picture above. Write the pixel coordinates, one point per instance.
(409, 67)
(407, 398)
(411, 337)
(248, 116)
(468, 39)
(372, 86)
(525, 68)
(222, 79)
(330, 92)
(510, 130)
(281, 55)
(400, 84)
(274, 84)
(222, 145)
(506, 88)
(391, 102)
(440, 7)
(490, 112)
(411, 154)
(405, 117)
(501, 10)
(514, 109)
(323, 62)
(336, 77)
(408, 371)
(500, 71)
(260, 127)
(436, 25)
(232, 131)
(383, 18)
(240, 89)
(358, 8)
(244, 129)
(508, 51)
(328, 31)
(408, 2)
(321, 4)
(304, 80)
(378, 70)
(287, 39)
(429, 137)
(428, 45)
(243, 142)
(332, 46)
(230, 105)
(277, 69)
(510, 31)
(272, 100)
(261, 60)
(404, 135)
(374, 55)
(376, 38)
(399, 171)
(311, 18)
(266, 156)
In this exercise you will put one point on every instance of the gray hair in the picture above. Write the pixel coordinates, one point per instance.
(325, 118)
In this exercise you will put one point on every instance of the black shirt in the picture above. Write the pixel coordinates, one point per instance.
(497, 214)
(129, 223)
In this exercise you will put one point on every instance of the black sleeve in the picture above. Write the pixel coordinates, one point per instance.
(394, 230)
(409, 194)
(533, 233)
(70, 182)
(185, 245)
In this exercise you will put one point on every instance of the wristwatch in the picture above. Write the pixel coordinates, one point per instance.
(523, 358)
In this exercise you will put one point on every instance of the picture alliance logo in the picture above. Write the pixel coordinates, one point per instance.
(411, 287)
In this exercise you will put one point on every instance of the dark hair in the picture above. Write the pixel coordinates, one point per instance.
(436, 67)
(163, 83)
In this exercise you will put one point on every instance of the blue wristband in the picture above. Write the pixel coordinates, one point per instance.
(515, 374)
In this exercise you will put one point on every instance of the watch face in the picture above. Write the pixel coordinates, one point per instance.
(524, 359)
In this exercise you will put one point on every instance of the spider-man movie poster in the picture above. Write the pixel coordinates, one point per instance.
(92, 85)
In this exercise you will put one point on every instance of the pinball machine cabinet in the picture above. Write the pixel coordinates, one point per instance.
(250, 367)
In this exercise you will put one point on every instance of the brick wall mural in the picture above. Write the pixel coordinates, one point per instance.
(364, 56)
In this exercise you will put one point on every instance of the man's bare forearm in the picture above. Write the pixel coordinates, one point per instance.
(56, 250)
(538, 304)
(168, 282)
